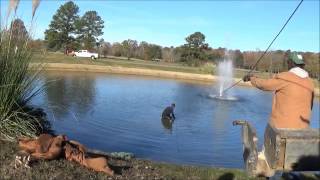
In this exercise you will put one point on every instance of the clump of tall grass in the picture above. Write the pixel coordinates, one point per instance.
(17, 83)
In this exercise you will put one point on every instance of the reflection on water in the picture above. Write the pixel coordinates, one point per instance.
(122, 113)
(56, 93)
(220, 113)
(70, 94)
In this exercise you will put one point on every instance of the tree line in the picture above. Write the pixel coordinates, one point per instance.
(68, 30)
(197, 53)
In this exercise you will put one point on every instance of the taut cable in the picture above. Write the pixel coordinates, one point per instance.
(265, 52)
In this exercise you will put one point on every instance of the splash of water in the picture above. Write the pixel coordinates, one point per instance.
(225, 79)
(225, 76)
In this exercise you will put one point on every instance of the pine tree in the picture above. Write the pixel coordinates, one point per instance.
(62, 27)
(89, 28)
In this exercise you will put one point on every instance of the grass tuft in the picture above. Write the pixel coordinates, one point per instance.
(17, 83)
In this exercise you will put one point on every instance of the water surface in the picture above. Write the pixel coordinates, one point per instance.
(122, 113)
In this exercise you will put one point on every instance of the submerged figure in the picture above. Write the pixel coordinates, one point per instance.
(167, 124)
(168, 112)
(293, 94)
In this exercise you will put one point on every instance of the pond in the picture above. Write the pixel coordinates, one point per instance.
(123, 113)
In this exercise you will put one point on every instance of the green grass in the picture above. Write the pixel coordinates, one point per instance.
(190, 172)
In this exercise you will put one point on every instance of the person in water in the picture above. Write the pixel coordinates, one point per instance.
(293, 94)
(168, 112)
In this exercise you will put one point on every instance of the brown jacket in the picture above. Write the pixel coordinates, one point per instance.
(292, 101)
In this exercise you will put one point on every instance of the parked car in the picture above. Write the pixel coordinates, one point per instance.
(86, 53)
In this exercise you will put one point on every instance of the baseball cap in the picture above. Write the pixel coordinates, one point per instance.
(296, 58)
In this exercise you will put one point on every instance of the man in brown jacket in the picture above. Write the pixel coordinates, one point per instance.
(293, 94)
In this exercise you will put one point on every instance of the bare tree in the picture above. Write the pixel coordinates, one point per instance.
(116, 49)
(106, 49)
(129, 46)
(168, 54)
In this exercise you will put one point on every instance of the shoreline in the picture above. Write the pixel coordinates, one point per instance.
(125, 169)
(137, 71)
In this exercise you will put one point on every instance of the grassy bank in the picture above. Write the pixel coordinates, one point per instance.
(133, 63)
(52, 57)
(60, 62)
(124, 170)
(60, 58)
(130, 169)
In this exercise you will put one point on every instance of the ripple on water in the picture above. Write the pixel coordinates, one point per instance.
(223, 98)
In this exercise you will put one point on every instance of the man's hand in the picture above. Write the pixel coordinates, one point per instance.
(247, 77)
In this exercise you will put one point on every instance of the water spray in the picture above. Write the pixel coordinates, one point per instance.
(265, 52)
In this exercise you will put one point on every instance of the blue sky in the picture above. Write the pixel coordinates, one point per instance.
(244, 25)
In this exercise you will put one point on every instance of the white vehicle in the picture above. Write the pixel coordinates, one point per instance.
(86, 53)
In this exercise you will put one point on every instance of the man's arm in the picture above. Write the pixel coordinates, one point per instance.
(267, 84)
(174, 117)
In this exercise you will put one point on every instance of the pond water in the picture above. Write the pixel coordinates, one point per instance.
(123, 113)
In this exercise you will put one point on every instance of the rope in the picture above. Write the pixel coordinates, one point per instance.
(265, 52)
(176, 136)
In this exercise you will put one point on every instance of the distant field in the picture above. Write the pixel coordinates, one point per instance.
(53, 57)
(135, 63)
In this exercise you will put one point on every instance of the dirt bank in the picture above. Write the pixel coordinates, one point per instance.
(133, 169)
(136, 71)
